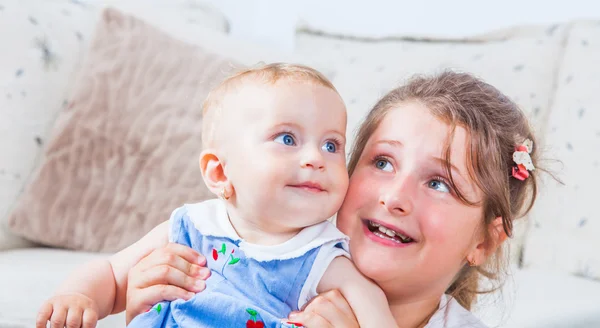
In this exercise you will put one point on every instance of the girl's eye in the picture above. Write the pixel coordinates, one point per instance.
(329, 147)
(439, 185)
(285, 139)
(383, 165)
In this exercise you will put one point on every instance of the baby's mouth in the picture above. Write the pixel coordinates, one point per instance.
(314, 187)
(387, 233)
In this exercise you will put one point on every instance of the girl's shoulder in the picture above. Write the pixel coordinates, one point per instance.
(451, 314)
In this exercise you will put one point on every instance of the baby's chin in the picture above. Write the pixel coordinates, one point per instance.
(327, 203)
(301, 215)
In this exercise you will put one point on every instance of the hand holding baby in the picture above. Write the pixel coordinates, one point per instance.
(168, 273)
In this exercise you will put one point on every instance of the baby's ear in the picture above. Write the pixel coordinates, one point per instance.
(213, 173)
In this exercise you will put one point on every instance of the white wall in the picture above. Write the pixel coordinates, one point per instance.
(273, 22)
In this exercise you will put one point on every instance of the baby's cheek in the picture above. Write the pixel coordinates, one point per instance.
(343, 180)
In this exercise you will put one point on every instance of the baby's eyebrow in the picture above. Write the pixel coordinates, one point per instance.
(341, 135)
(286, 125)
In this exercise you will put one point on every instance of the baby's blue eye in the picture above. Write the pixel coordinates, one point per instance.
(439, 186)
(329, 147)
(383, 165)
(286, 139)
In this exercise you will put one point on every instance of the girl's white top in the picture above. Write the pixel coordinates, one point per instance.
(451, 314)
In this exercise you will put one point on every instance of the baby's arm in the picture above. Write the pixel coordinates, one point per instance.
(366, 298)
(99, 288)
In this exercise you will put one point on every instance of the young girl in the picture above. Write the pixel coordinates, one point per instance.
(445, 162)
(273, 140)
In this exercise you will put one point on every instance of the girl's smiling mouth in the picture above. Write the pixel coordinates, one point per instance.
(386, 235)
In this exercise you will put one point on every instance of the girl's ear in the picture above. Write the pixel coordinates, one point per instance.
(213, 173)
(497, 235)
(487, 247)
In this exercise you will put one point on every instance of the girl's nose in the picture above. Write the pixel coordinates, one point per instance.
(397, 198)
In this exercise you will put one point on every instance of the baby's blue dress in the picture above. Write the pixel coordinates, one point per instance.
(250, 285)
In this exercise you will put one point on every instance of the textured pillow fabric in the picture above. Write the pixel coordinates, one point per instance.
(125, 150)
(39, 65)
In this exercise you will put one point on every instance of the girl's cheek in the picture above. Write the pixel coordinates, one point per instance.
(440, 223)
(356, 188)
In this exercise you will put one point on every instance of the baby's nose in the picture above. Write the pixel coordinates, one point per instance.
(312, 159)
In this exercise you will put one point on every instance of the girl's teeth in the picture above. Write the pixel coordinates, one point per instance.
(385, 236)
(387, 231)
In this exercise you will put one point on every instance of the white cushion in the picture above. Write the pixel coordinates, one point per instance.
(28, 277)
(564, 233)
(535, 298)
(460, 20)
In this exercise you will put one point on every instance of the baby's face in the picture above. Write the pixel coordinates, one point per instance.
(285, 153)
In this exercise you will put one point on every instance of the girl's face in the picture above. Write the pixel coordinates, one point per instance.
(408, 230)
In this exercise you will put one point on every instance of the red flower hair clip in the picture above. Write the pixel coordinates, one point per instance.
(523, 161)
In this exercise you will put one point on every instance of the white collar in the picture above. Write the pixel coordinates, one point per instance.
(211, 219)
(451, 314)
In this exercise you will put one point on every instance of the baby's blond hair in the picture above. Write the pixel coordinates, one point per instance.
(268, 74)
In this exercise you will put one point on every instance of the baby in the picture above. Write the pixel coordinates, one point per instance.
(273, 140)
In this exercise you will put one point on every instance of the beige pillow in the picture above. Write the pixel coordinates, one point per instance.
(124, 151)
(39, 65)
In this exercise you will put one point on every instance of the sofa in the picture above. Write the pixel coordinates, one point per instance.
(550, 71)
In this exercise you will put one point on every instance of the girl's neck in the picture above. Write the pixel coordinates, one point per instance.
(414, 314)
(256, 234)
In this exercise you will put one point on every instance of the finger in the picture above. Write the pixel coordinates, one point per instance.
(44, 315)
(333, 308)
(329, 313)
(74, 318)
(335, 297)
(310, 320)
(165, 256)
(159, 293)
(166, 275)
(90, 318)
(58, 317)
(187, 253)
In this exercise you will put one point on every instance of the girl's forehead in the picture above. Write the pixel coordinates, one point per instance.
(412, 124)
